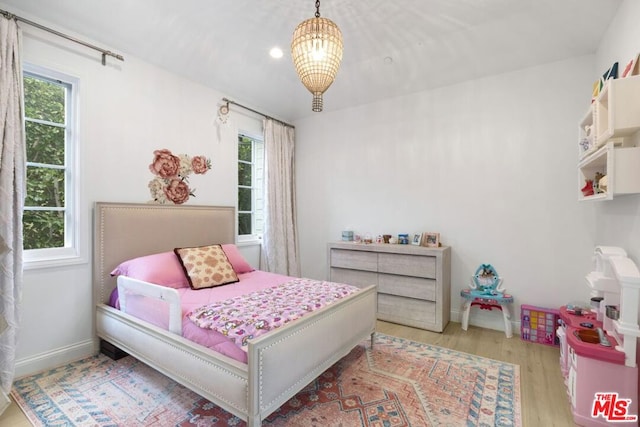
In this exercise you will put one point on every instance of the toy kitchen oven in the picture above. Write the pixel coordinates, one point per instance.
(598, 345)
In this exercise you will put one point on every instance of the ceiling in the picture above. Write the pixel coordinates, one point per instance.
(392, 48)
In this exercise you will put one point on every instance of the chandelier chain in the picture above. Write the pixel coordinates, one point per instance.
(317, 8)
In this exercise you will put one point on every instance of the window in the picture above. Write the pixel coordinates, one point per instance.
(49, 218)
(250, 188)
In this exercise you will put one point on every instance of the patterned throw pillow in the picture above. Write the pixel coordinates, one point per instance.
(206, 266)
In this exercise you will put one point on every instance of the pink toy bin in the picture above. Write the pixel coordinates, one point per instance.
(539, 324)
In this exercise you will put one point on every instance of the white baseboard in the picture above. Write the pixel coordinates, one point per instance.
(53, 359)
(488, 319)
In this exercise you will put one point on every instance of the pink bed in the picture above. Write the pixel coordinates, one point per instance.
(279, 363)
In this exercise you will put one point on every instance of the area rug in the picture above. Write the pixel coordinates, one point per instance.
(398, 383)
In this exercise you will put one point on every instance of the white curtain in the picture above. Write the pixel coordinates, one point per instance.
(280, 240)
(12, 193)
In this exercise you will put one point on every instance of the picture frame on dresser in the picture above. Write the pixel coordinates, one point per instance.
(417, 239)
(431, 240)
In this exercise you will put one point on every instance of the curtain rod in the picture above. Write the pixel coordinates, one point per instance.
(258, 112)
(104, 52)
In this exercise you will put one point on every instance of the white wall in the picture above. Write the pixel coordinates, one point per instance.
(126, 111)
(490, 164)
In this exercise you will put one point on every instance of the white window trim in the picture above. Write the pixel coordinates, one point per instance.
(73, 252)
(256, 238)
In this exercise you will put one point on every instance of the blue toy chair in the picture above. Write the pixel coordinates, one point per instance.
(487, 292)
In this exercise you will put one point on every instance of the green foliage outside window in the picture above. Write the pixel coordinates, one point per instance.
(245, 192)
(43, 218)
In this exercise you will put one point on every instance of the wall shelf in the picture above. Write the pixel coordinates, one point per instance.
(617, 109)
(609, 142)
(621, 166)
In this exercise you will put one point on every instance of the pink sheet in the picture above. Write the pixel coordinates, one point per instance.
(157, 312)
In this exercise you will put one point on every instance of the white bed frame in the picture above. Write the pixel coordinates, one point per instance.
(280, 363)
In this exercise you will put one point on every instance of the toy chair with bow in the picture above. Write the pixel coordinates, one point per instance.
(487, 291)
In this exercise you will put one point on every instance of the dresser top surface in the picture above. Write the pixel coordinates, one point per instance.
(390, 248)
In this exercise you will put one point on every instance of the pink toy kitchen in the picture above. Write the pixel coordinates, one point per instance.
(598, 357)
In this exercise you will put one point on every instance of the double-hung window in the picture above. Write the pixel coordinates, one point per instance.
(50, 220)
(250, 188)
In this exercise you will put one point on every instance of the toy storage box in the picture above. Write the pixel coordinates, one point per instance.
(539, 324)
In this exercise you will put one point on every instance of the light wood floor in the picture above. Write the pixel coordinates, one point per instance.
(544, 397)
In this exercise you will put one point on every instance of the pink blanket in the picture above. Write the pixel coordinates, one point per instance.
(249, 316)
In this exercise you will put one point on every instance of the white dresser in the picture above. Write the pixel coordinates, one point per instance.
(414, 282)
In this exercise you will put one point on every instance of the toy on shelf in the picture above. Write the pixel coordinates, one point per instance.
(603, 183)
(487, 292)
(587, 190)
(596, 183)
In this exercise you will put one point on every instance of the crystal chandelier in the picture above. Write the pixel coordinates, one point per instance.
(316, 50)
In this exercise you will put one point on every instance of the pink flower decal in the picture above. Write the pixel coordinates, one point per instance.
(164, 164)
(177, 191)
(171, 182)
(200, 165)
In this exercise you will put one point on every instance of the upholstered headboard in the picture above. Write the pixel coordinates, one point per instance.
(127, 230)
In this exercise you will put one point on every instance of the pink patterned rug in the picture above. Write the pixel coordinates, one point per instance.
(398, 383)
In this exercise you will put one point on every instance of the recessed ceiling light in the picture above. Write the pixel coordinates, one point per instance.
(276, 52)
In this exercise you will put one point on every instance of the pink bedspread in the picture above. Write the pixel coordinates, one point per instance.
(251, 315)
(157, 312)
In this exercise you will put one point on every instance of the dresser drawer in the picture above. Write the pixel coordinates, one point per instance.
(407, 265)
(355, 260)
(357, 278)
(413, 287)
(407, 310)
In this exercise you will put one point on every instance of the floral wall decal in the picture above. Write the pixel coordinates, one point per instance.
(171, 183)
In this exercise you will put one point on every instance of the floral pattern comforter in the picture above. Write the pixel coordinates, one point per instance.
(254, 314)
